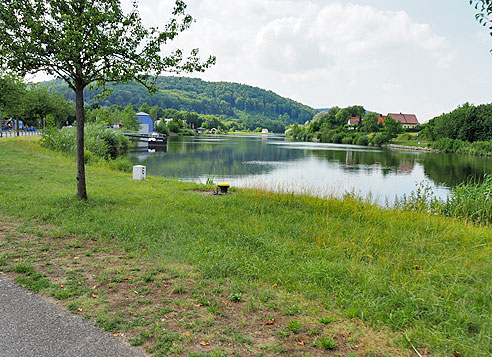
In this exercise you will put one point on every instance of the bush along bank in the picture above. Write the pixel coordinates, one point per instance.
(482, 148)
(100, 143)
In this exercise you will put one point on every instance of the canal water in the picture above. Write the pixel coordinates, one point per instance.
(275, 163)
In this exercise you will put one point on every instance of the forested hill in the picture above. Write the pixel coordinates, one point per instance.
(232, 100)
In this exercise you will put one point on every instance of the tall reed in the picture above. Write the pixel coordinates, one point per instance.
(471, 200)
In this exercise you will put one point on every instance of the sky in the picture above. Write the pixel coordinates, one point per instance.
(412, 56)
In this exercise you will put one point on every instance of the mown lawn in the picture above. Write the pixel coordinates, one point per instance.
(426, 278)
(409, 139)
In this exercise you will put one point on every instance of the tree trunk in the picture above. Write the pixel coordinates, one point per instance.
(79, 115)
(17, 125)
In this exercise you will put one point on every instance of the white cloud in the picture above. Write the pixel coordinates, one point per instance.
(322, 52)
(283, 45)
(413, 56)
(300, 39)
(337, 32)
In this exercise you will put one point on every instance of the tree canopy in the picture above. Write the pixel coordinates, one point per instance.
(233, 101)
(12, 94)
(467, 122)
(392, 127)
(484, 15)
(370, 122)
(32, 103)
(88, 42)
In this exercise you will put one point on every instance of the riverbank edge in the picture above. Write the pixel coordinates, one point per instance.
(414, 148)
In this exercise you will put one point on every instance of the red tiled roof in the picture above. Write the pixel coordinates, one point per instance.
(381, 119)
(354, 120)
(405, 118)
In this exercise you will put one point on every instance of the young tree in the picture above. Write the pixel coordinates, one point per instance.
(88, 42)
(343, 116)
(144, 108)
(156, 113)
(174, 125)
(39, 102)
(12, 98)
(129, 119)
(370, 123)
(392, 127)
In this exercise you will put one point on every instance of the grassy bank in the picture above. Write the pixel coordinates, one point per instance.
(409, 139)
(427, 278)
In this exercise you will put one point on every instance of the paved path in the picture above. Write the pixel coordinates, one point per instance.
(33, 326)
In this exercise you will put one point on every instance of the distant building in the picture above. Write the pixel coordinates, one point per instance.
(408, 121)
(264, 131)
(354, 121)
(146, 123)
(11, 124)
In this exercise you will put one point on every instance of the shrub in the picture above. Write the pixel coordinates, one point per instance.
(337, 138)
(463, 147)
(99, 141)
(481, 148)
(308, 137)
(88, 157)
(381, 138)
(347, 140)
(187, 132)
(119, 164)
(363, 140)
(327, 135)
(162, 127)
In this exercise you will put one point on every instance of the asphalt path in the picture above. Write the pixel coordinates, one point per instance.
(33, 326)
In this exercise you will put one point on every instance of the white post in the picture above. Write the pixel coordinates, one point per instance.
(139, 172)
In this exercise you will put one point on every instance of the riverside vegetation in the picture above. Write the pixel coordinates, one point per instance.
(465, 130)
(101, 144)
(422, 276)
(246, 106)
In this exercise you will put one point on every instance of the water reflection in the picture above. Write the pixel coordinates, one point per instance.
(322, 169)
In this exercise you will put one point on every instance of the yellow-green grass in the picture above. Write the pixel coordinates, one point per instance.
(409, 139)
(429, 278)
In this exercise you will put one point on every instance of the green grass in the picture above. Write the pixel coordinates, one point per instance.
(327, 343)
(409, 139)
(428, 277)
(294, 326)
(31, 279)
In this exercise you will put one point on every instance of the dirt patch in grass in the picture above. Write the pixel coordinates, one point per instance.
(167, 308)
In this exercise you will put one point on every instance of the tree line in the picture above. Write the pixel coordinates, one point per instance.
(230, 101)
(31, 103)
(466, 130)
(467, 123)
(332, 127)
